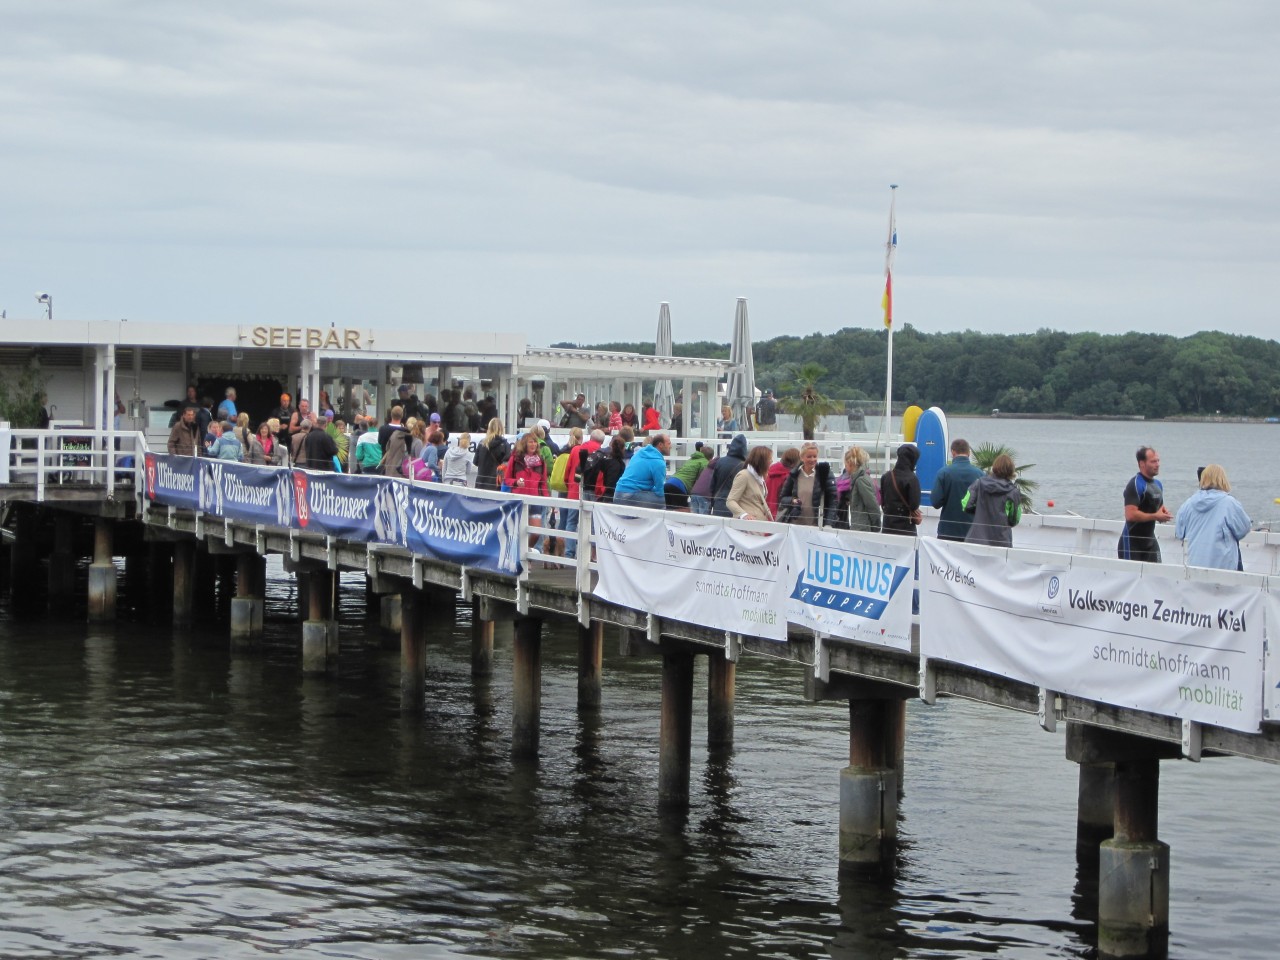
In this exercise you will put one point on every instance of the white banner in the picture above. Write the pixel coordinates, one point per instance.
(1271, 685)
(853, 586)
(1173, 647)
(710, 575)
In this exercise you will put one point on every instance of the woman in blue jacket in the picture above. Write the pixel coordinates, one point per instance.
(1212, 523)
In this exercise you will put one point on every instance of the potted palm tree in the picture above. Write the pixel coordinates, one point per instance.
(807, 403)
(984, 455)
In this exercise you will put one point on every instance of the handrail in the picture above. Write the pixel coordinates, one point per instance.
(76, 455)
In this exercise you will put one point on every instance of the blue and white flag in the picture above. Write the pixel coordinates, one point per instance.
(447, 525)
(173, 481)
(252, 494)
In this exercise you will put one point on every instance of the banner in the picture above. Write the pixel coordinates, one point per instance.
(172, 481)
(710, 575)
(446, 524)
(1178, 648)
(852, 586)
(365, 508)
(1271, 683)
(253, 494)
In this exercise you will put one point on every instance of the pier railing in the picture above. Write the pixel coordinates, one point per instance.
(71, 460)
(1168, 640)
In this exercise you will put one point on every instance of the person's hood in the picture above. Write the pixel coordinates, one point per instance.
(698, 455)
(1205, 501)
(995, 486)
(738, 447)
(457, 453)
(908, 457)
(777, 469)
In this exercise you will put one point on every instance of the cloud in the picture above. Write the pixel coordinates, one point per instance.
(550, 167)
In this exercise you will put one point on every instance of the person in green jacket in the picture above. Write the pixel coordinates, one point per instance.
(682, 481)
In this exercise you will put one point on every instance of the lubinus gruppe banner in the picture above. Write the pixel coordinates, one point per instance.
(1176, 647)
(852, 586)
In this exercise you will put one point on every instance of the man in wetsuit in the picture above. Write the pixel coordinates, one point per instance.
(1143, 509)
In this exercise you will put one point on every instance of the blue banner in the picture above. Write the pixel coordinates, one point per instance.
(448, 525)
(173, 481)
(369, 509)
(253, 494)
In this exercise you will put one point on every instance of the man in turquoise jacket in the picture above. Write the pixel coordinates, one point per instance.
(643, 482)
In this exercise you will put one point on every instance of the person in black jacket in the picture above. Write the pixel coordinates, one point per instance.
(900, 491)
(318, 448)
(733, 460)
(808, 494)
(491, 453)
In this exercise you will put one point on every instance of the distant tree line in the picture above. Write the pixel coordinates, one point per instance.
(1155, 375)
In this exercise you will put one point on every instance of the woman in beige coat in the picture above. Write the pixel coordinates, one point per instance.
(746, 499)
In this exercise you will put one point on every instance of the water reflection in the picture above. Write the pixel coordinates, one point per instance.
(157, 789)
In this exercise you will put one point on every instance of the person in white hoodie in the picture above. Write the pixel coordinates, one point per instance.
(457, 466)
(1212, 523)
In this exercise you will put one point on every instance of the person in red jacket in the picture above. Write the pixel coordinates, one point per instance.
(779, 470)
(527, 475)
(573, 481)
(652, 420)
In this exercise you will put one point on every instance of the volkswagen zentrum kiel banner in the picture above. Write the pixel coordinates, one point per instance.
(1179, 648)
(705, 574)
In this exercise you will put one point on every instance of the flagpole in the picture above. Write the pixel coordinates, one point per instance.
(890, 246)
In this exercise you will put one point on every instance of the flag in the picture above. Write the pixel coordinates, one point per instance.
(890, 247)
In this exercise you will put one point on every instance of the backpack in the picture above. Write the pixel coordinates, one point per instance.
(558, 470)
(415, 468)
(592, 477)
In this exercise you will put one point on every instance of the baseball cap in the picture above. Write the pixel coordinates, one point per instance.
(545, 425)
(405, 388)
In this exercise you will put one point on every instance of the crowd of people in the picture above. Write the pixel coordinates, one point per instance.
(614, 455)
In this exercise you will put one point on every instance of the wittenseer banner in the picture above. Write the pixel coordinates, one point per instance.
(1173, 647)
(172, 481)
(368, 509)
(447, 525)
(249, 494)
(709, 575)
(852, 586)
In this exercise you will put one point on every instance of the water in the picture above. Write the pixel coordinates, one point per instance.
(160, 797)
(1083, 465)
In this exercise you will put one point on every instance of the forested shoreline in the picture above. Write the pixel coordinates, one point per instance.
(1049, 371)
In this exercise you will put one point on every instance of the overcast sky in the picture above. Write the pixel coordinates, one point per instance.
(560, 168)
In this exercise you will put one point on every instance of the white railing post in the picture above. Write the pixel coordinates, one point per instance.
(40, 477)
(111, 465)
(586, 543)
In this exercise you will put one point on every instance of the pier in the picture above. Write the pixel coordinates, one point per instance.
(180, 523)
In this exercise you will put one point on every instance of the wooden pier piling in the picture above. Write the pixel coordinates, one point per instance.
(526, 687)
(102, 573)
(676, 729)
(413, 651)
(590, 665)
